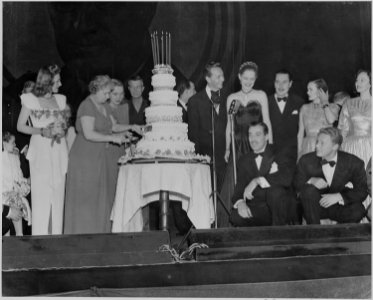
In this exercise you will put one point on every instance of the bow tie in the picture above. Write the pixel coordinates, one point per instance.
(258, 154)
(282, 99)
(215, 97)
(331, 162)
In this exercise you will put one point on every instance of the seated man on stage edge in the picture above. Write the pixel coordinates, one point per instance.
(261, 196)
(331, 183)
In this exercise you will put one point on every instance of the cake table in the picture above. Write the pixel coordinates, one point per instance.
(143, 181)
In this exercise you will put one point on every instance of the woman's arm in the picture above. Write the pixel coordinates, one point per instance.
(22, 123)
(265, 113)
(331, 112)
(124, 127)
(300, 130)
(344, 121)
(94, 136)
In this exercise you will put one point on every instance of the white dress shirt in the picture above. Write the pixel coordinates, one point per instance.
(216, 106)
(329, 170)
(281, 105)
(183, 104)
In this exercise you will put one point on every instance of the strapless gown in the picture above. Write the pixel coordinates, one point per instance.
(242, 119)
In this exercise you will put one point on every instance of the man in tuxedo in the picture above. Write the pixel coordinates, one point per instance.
(185, 90)
(331, 183)
(202, 107)
(261, 196)
(284, 108)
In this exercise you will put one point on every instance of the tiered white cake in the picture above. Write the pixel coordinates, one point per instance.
(165, 133)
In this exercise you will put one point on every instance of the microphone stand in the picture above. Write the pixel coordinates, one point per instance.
(215, 193)
(233, 142)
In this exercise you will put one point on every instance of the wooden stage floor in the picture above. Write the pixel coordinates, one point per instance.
(315, 261)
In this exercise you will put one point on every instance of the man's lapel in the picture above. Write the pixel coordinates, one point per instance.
(288, 107)
(340, 169)
(268, 158)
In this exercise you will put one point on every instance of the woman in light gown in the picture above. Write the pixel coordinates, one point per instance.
(251, 107)
(119, 110)
(355, 121)
(47, 156)
(314, 116)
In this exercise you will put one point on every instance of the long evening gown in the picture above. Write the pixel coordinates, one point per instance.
(251, 113)
(48, 166)
(313, 119)
(355, 123)
(89, 194)
(115, 151)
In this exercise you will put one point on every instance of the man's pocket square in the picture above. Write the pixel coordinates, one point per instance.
(274, 168)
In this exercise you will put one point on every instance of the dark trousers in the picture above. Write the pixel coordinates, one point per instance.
(269, 207)
(310, 197)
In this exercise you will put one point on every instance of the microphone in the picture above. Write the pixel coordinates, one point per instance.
(233, 108)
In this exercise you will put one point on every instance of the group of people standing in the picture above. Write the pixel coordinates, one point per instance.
(286, 121)
(73, 184)
(73, 188)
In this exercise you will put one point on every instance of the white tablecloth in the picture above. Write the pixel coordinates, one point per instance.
(140, 184)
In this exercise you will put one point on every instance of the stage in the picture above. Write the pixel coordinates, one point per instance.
(315, 261)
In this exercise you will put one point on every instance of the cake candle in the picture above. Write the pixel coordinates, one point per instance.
(162, 48)
(157, 46)
(166, 48)
(153, 50)
(170, 47)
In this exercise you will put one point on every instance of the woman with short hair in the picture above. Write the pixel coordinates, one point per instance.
(88, 187)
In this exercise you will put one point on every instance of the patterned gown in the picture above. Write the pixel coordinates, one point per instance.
(48, 166)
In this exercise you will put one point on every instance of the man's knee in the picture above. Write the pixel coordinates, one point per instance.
(276, 192)
(309, 192)
(236, 220)
(356, 213)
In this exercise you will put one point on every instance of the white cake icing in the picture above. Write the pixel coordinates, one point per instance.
(156, 114)
(165, 149)
(165, 134)
(163, 97)
(163, 81)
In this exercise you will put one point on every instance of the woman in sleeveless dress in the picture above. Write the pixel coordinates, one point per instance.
(251, 107)
(314, 116)
(89, 190)
(42, 116)
(355, 121)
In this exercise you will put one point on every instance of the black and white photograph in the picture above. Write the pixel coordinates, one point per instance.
(177, 149)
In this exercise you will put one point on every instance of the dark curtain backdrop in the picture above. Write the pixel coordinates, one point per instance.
(312, 39)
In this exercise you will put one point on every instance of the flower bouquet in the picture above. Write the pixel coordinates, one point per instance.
(16, 198)
(58, 129)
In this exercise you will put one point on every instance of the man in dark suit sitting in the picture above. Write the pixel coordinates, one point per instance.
(185, 90)
(200, 109)
(261, 196)
(284, 108)
(331, 183)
